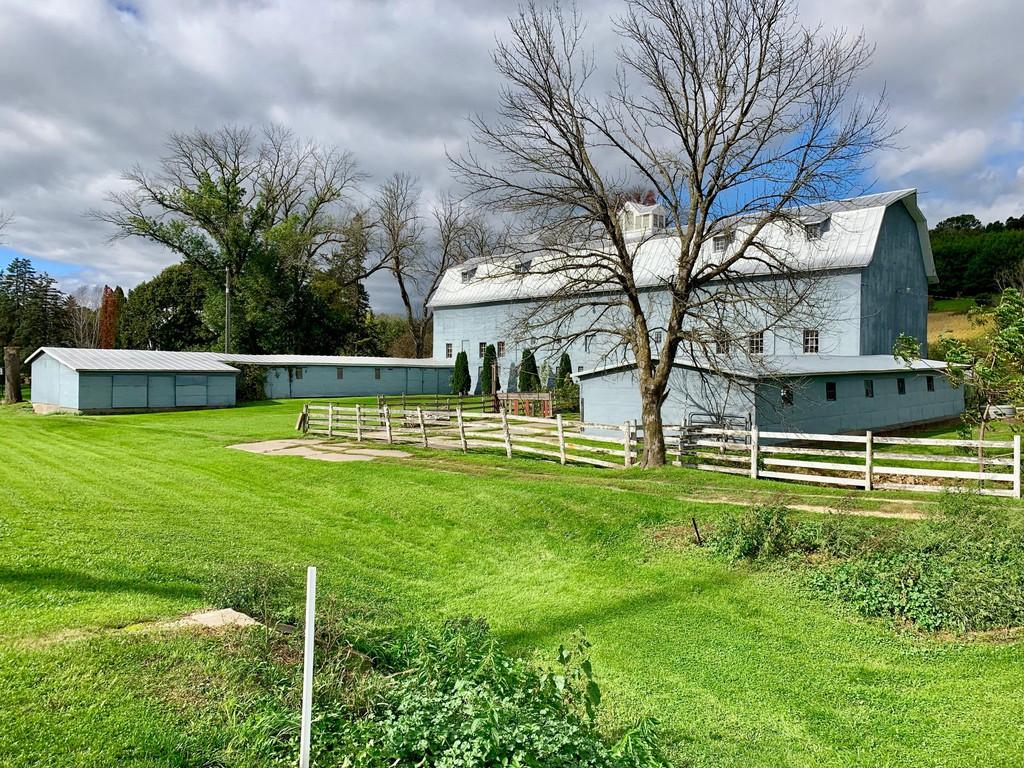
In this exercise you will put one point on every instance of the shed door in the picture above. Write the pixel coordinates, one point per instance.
(189, 390)
(129, 391)
(278, 384)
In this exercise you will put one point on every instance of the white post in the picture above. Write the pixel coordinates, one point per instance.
(387, 422)
(561, 439)
(423, 426)
(508, 433)
(330, 419)
(679, 444)
(1016, 466)
(307, 668)
(462, 427)
(869, 460)
(627, 454)
(359, 423)
(754, 445)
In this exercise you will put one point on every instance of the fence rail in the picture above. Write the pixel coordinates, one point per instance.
(852, 461)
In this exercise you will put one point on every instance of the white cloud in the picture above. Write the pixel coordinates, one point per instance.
(90, 89)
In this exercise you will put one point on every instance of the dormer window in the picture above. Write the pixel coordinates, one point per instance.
(815, 229)
(468, 275)
(721, 242)
(523, 267)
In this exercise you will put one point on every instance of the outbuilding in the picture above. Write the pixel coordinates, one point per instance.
(123, 380)
(801, 393)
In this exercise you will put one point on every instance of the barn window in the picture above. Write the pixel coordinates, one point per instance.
(657, 337)
(830, 390)
(721, 242)
(755, 344)
(297, 374)
(588, 341)
(468, 275)
(930, 381)
(721, 344)
(483, 348)
(376, 373)
(787, 395)
(448, 349)
(523, 267)
(901, 386)
(815, 229)
(810, 342)
(340, 373)
(869, 388)
(501, 349)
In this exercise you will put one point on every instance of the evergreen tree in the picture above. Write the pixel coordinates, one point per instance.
(33, 312)
(529, 376)
(488, 380)
(564, 371)
(460, 376)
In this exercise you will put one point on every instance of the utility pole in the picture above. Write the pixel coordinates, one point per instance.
(227, 310)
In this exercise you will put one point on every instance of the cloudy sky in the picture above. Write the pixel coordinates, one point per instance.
(91, 87)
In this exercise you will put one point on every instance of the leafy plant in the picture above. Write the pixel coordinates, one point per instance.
(764, 531)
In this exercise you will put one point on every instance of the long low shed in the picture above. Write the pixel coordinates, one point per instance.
(820, 394)
(121, 380)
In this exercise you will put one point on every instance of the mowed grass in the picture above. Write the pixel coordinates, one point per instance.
(109, 521)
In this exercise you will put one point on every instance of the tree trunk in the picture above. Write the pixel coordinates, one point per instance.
(12, 375)
(654, 435)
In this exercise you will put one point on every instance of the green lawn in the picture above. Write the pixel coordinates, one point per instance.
(108, 521)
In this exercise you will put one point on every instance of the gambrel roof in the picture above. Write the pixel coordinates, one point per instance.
(848, 243)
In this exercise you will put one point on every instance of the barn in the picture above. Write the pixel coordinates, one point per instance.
(122, 380)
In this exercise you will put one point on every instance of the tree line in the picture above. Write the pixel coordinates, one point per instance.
(972, 259)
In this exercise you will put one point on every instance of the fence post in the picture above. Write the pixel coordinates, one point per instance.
(423, 426)
(508, 433)
(755, 437)
(679, 444)
(1016, 466)
(387, 422)
(561, 439)
(359, 423)
(330, 419)
(303, 422)
(627, 454)
(869, 460)
(462, 429)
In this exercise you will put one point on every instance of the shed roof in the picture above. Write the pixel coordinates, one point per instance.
(792, 366)
(213, 362)
(848, 243)
(111, 360)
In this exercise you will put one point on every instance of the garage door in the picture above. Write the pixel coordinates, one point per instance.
(189, 390)
(129, 391)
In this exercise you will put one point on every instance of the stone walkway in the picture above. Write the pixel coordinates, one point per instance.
(320, 450)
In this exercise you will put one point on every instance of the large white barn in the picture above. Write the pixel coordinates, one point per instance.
(823, 365)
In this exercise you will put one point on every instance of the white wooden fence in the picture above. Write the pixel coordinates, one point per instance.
(862, 461)
(855, 461)
(568, 441)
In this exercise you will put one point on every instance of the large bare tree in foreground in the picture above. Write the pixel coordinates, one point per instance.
(729, 111)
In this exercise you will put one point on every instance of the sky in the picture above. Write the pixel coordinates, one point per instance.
(92, 87)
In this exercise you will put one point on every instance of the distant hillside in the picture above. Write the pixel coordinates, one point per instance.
(973, 259)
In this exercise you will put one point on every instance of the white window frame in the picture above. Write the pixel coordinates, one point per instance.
(449, 350)
(811, 341)
(755, 343)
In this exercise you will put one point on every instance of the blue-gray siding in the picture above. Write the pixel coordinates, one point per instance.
(613, 398)
(356, 380)
(894, 287)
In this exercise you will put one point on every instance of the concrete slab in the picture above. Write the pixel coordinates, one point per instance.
(318, 456)
(225, 617)
(383, 453)
(272, 446)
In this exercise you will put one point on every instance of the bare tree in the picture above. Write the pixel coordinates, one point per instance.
(83, 319)
(730, 112)
(419, 252)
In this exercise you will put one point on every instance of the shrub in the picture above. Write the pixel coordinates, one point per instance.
(763, 531)
(264, 591)
(529, 377)
(251, 382)
(960, 570)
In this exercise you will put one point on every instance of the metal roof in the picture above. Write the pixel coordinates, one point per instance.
(791, 366)
(134, 360)
(335, 360)
(213, 362)
(848, 243)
